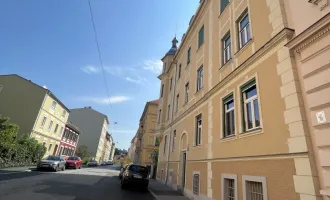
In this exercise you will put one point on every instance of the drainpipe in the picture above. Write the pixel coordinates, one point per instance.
(172, 114)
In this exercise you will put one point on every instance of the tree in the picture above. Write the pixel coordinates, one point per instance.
(82, 151)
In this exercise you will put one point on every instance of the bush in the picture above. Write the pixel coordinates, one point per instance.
(17, 151)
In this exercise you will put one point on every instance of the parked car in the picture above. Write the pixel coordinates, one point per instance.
(52, 162)
(136, 175)
(103, 163)
(73, 162)
(93, 163)
(109, 163)
(122, 171)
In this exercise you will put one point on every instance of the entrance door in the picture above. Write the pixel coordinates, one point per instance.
(183, 173)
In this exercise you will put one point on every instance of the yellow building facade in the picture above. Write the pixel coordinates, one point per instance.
(229, 118)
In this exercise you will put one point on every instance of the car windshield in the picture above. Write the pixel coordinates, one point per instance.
(53, 158)
(138, 169)
(73, 158)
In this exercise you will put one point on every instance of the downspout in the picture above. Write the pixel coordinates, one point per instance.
(170, 141)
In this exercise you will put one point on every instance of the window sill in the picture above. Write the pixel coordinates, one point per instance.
(251, 132)
(200, 46)
(198, 91)
(197, 146)
(229, 138)
(227, 63)
(244, 47)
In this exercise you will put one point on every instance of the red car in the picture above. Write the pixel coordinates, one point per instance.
(73, 162)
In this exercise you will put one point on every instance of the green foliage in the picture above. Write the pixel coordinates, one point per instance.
(82, 152)
(154, 156)
(17, 151)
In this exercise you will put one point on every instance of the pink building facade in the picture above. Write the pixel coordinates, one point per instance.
(310, 47)
(69, 140)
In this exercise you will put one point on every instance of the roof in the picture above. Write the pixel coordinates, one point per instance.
(74, 127)
(89, 107)
(155, 102)
(45, 89)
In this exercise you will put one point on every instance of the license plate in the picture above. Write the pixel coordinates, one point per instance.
(71, 164)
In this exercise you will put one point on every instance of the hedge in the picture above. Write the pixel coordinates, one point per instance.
(17, 150)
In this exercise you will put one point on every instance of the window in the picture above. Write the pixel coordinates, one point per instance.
(162, 90)
(165, 144)
(186, 98)
(200, 78)
(226, 48)
(56, 127)
(61, 131)
(50, 147)
(156, 141)
(229, 117)
(244, 30)
(224, 4)
(177, 103)
(54, 105)
(179, 72)
(188, 55)
(254, 188)
(251, 106)
(63, 113)
(171, 80)
(50, 126)
(196, 184)
(168, 112)
(159, 115)
(60, 153)
(201, 37)
(173, 141)
(229, 186)
(43, 122)
(198, 134)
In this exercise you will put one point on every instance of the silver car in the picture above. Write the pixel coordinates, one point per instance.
(52, 162)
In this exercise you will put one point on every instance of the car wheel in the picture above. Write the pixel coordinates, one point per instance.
(56, 169)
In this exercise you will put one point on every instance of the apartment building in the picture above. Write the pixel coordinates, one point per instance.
(310, 46)
(37, 111)
(69, 140)
(231, 114)
(146, 142)
(93, 125)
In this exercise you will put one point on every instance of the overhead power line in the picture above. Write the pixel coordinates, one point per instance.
(99, 51)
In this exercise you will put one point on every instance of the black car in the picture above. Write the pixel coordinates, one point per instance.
(135, 175)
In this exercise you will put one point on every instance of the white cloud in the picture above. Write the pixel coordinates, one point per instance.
(105, 100)
(138, 80)
(154, 66)
(90, 69)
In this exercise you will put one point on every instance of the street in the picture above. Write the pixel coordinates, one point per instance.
(84, 184)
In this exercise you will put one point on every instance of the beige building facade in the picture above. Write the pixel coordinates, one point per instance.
(35, 109)
(231, 116)
(145, 144)
(310, 46)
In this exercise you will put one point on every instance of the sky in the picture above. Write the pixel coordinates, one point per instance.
(52, 44)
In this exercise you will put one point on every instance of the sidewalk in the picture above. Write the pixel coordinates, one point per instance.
(16, 169)
(163, 192)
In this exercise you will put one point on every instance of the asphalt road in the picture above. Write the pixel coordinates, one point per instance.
(83, 184)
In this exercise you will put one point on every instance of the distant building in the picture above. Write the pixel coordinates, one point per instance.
(37, 111)
(93, 125)
(69, 140)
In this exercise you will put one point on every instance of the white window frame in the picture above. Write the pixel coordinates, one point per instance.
(225, 113)
(223, 184)
(241, 29)
(50, 125)
(54, 103)
(42, 122)
(199, 182)
(200, 78)
(260, 179)
(250, 100)
(199, 130)
(186, 98)
(226, 49)
(173, 140)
